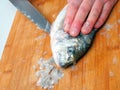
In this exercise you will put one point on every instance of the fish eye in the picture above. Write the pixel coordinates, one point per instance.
(71, 50)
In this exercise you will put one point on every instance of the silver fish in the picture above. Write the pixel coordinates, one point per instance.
(66, 49)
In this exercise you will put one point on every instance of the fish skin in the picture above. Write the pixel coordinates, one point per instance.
(68, 50)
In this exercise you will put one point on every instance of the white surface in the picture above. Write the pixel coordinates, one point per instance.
(7, 13)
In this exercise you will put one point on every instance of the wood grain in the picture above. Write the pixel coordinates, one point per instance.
(97, 70)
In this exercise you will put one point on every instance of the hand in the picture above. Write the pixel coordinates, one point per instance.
(84, 15)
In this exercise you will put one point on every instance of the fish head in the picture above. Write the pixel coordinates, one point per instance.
(64, 54)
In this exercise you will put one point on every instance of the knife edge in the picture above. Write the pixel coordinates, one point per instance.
(32, 13)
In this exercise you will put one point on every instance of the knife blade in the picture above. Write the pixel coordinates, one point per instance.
(32, 13)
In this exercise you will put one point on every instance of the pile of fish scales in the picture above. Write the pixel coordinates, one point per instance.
(48, 75)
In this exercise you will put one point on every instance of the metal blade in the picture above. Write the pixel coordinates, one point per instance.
(32, 13)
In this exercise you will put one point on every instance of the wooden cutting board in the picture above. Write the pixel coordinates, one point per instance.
(99, 69)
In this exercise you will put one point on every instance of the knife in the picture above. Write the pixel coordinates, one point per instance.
(32, 13)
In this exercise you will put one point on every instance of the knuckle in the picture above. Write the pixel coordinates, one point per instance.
(96, 12)
(83, 8)
(68, 20)
(108, 7)
(112, 2)
(73, 5)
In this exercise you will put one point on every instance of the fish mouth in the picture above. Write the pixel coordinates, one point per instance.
(63, 62)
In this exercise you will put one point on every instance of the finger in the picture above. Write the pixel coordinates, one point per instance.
(93, 16)
(73, 6)
(105, 13)
(80, 17)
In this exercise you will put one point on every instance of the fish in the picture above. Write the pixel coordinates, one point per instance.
(68, 50)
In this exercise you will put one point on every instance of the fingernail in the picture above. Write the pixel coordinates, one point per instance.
(74, 32)
(86, 27)
(66, 27)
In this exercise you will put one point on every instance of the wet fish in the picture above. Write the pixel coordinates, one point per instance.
(67, 50)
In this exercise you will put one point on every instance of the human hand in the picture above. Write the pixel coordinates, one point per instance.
(84, 15)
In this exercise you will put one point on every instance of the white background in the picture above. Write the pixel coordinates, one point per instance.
(7, 13)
